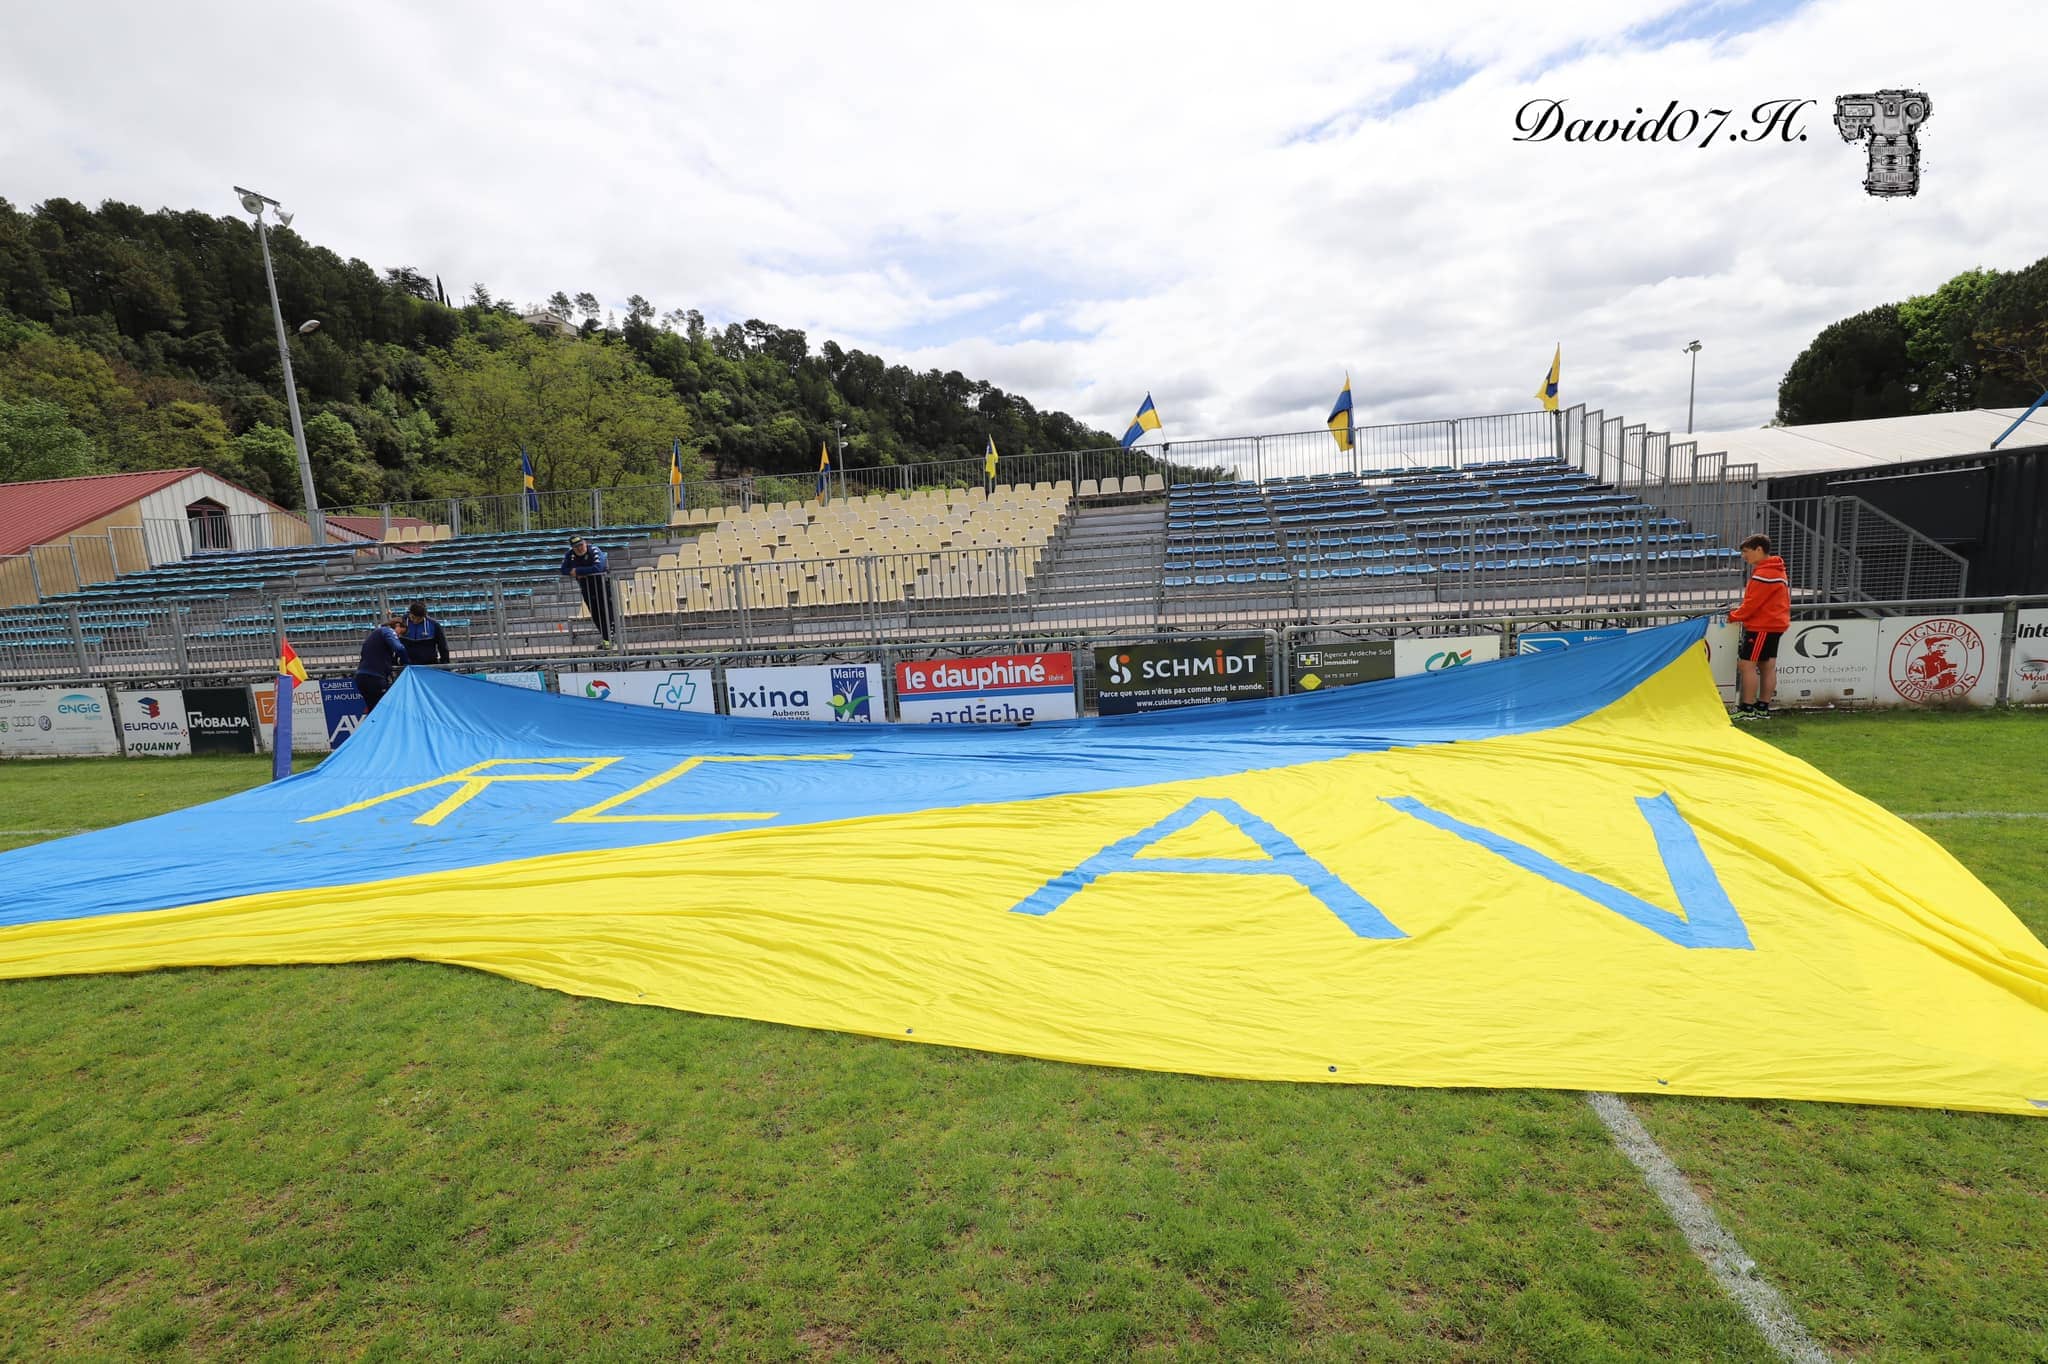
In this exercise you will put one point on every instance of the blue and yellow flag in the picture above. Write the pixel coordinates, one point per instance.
(1146, 420)
(675, 472)
(1340, 417)
(988, 462)
(824, 470)
(526, 473)
(1547, 395)
(1564, 871)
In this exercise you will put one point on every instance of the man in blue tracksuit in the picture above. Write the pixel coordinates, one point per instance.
(425, 640)
(383, 656)
(585, 563)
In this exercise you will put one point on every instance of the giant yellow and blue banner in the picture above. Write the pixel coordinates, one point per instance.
(1565, 870)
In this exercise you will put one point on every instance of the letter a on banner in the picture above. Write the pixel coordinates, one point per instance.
(1278, 855)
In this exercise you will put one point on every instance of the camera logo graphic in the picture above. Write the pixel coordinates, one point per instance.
(1888, 122)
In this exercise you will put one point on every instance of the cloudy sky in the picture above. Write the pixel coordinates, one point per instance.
(1087, 202)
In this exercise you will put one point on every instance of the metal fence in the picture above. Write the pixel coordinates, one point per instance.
(1281, 645)
(1844, 549)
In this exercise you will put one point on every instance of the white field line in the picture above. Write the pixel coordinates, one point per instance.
(1730, 1265)
(1976, 814)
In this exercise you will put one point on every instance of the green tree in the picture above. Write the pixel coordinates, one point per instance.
(588, 413)
(344, 474)
(1939, 345)
(1856, 368)
(37, 440)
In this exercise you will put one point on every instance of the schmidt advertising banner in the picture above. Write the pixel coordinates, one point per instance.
(153, 723)
(524, 681)
(849, 692)
(1341, 665)
(1001, 689)
(681, 689)
(70, 722)
(1828, 662)
(1932, 660)
(1187, 672)
(221, 719)
(2028, 685)
(1440, 655)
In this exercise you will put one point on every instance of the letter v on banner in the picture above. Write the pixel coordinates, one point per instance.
(1710, 918)
(1284, 858)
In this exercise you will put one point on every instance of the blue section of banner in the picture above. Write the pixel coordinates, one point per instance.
(453, 772)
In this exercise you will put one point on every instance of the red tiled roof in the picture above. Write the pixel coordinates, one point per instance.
(35, 513)
(371, 527)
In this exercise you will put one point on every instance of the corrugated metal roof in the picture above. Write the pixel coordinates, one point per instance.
(1779, 450)
(35, 513)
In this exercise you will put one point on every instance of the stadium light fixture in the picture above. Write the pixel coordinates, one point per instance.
(255, 204)
(309, 326)
(1690, 384)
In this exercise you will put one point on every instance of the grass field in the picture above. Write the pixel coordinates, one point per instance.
(410, 1161)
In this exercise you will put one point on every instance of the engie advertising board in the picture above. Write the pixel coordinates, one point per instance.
(998, 689)
(309, 718)
(2028, 685)
(153, 723)
(1131, 678)
(681, 689)
(845, 692)
(1828, 661)
(342, 709)
(71, 722)
(221, 719)
(1412, 656)
(1929, 660)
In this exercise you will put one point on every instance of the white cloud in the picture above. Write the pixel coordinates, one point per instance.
(1094, 201)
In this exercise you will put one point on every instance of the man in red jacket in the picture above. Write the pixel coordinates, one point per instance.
(1764, 615)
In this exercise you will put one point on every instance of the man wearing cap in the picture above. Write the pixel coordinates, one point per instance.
(585, 563)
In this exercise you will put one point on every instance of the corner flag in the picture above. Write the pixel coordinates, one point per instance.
(290, 673)
(988, 463)
(824, 469)
(675, 472)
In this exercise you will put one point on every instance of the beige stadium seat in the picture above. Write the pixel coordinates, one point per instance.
(1154, 483)
(1089, 487)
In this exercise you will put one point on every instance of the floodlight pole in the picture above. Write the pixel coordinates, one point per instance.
(1694, 351)
(256, 203)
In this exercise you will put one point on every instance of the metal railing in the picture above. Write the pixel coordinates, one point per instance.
(1844, 549)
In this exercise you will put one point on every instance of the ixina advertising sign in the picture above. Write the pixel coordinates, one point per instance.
(1000, 689)
(848, 693)
(1187, 672)
(153, 723)
(2028, 685)
(69, 722)
(1936, 660)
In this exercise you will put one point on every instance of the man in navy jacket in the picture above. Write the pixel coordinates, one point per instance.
(383, 655)
(585, 563)
(425, 640)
